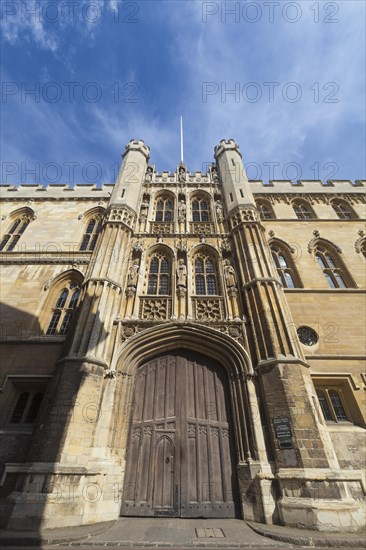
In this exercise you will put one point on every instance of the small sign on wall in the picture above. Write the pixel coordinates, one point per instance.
(283, 432)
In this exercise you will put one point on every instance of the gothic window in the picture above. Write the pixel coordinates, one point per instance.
(90, 236)
(164, 209)
(63, 309)
(343, 210)
(205, 276)
(303, 210)
(332, 405)
(200, 210)
(333, 268)
(265, 210)
(159, 276)
(16, 228)
(286, 270)
(26, 407)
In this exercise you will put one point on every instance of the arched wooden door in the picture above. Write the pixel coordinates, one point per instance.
(179, 459)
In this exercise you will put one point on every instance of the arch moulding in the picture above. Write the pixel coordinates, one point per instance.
(164, 338)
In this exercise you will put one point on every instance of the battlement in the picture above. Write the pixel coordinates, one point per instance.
(307, 186)
(190, 177)
(226, 145)
(62, 191)
(137, 145)
(56, 191)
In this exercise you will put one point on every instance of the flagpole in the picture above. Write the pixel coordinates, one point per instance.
(181, 139)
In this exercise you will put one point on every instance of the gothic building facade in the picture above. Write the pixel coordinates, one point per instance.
(183, 345)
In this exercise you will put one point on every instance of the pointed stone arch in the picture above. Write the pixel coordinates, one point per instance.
(143, 346)
(284, 260)
(71, 281)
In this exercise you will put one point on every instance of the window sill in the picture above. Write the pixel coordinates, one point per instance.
(343, 427)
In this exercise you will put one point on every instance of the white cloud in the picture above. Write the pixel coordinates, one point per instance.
(26, 20)
(305, 52)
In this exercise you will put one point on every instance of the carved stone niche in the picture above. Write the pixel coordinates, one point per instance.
(137, 249)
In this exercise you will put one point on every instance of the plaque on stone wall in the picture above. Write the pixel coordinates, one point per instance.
(283, 432)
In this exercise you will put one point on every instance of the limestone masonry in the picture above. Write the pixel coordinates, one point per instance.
(183, 345)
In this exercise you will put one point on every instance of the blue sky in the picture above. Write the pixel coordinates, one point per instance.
(296, 69)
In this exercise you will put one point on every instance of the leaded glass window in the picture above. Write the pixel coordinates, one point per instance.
(159, 276)
(63, 310)
(332, 267)
(303, 210)
(91, 233)
(200, 210)
(16, 230)
(205, 276)
(164, 210)
(332, 405)
(286, 270)
(265, 211)
(343, 210)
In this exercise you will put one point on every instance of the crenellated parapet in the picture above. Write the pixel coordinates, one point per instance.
(57, 192)
(137, 145)
(227, 145)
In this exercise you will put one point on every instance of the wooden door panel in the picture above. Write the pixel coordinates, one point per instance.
(180, 457)
(163, 497)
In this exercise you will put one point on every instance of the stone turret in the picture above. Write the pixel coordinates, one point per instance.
(233, 176)
(131, 175)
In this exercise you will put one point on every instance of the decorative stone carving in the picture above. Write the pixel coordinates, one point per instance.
(234, 332)
(129, 331)
(181, 274)
(229, 273)
(132, 277)
(149, 174)
(219, 211)
(130, 291)
(137, 247)
(48, 284)
(208, 309)
(144, 210)
(360, 242)
(109, 373)
(225, 245)
(155, 309)
(312, 244)
(245, 214)
(121, 213)
(161, 228)
(181, 174)
(181, 245)
(214, 174)
(202, 228)
(182, 210)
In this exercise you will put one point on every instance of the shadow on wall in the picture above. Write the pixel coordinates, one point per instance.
(34, 429)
